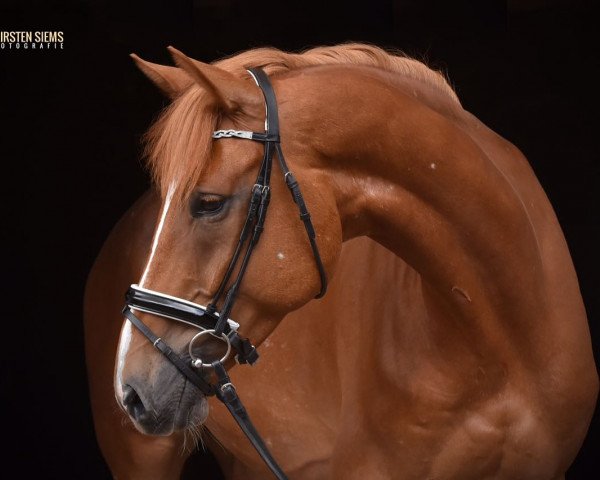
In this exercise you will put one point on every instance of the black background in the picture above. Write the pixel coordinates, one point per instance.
(71, 122)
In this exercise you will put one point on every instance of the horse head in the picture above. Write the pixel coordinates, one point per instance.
(208, 187)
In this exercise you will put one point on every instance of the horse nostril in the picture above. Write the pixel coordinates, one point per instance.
(133, 403)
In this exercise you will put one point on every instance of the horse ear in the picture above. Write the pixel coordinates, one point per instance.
(230, 92)
(170, 80)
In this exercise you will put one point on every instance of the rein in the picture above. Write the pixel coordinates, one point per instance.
(208, 319)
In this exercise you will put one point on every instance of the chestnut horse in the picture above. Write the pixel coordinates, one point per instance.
(453, 341)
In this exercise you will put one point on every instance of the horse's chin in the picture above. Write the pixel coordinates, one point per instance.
(192, 417)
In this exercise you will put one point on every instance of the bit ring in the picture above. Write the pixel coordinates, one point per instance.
(197, 361)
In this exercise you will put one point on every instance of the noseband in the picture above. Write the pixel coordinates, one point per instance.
(208, 319)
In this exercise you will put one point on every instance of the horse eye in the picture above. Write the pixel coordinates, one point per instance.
(206, 204)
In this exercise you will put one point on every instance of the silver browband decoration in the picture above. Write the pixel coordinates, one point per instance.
(232, 133)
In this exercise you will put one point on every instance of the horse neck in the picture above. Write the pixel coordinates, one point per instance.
(411, 176)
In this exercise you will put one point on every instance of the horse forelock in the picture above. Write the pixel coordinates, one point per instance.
(178, 145)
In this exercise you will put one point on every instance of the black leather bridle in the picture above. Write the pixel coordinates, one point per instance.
(209, 319)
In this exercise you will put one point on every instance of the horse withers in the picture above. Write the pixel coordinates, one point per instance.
(452, 341)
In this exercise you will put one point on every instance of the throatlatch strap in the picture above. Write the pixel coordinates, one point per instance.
(273, 131)
(294, 188)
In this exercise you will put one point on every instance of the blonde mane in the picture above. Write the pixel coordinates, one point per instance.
(274, 61)
(180, 141)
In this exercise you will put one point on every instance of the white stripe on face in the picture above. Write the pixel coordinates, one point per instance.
(158, 231)
(124, 342)
(125, 338)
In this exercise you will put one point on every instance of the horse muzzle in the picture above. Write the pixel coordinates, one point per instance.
(156, 410)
